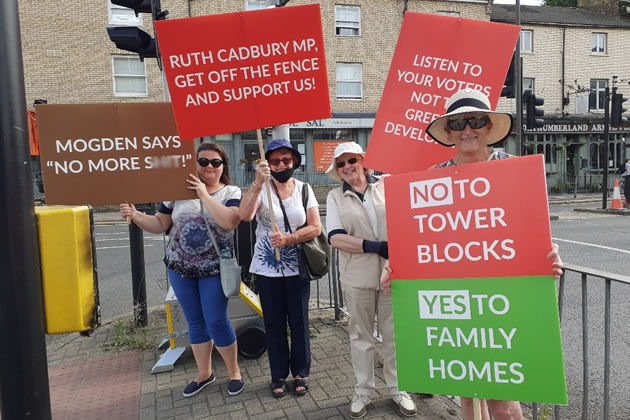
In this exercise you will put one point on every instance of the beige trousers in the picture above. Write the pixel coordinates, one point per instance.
(363, 304)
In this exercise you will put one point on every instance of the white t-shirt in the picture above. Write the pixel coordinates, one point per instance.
(264, 260)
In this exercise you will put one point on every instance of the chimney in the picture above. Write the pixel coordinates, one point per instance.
(603, 7)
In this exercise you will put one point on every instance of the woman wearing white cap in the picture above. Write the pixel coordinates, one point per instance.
(355, 220)
(471, 127)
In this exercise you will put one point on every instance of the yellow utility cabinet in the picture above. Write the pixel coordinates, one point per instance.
(67, 268)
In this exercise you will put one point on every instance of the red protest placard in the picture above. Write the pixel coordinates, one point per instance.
(435, 57)
(479, 220)
(246, 70)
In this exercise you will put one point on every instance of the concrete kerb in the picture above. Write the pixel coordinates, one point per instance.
(616, 212)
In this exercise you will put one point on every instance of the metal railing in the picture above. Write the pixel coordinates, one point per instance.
(326, 291)
(581, 184)
(571, 307)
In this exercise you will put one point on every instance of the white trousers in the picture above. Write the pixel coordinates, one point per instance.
(363, 304)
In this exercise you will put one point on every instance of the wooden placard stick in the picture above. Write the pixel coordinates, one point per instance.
(476, 408)
(274, 226)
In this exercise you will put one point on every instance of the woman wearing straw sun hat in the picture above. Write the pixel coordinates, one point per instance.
(355, 220)
(471, 127)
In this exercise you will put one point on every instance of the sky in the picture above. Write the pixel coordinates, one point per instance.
(523, 2)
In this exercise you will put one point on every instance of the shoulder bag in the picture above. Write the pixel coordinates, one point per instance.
(230, 271)
(317, 250)
(314, 255)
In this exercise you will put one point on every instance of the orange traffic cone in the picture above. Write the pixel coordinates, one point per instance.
(616, 202)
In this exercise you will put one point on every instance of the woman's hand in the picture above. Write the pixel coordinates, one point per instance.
(278, 239)
(128, 211)
(263, 172)
(554, 256)
(197, 185)
(386, 281)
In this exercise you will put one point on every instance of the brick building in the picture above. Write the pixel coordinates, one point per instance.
(570, 55)
(68, 58)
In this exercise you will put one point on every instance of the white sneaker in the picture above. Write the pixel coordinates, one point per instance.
(358, 408)
(405, 404)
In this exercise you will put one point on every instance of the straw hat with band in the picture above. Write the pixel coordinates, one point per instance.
(470, 101)
(346, 147)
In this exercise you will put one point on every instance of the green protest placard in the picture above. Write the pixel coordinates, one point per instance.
(496, 338)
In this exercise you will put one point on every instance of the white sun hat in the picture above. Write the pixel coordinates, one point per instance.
(467, 101)
(346, 147)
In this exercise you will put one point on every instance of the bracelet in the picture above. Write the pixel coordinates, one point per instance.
(255, 188)
(295, 238)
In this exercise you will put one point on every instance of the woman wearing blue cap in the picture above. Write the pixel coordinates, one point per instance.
(284, 297)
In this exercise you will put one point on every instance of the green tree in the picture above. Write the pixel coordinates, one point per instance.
(561, 3)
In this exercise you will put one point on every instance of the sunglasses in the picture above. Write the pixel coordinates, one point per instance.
(203, 162)
(340, 164)
(276, 161)
(474, 122)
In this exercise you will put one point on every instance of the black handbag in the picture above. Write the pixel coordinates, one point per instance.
(317, 250)
(313, 256)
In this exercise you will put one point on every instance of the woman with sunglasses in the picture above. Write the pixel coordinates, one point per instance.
(471, 127)
(284, 297)
(355, 221)
(193, 264)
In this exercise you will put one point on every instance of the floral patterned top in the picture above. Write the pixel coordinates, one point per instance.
(264, 260)
(190, 251)
(493, 156)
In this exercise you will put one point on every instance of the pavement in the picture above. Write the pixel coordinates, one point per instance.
(88, 381)
(107, 375)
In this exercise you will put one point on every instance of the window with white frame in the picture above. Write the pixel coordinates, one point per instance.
(130, 76)
(598, 43)
(119, 15)
(348, 20)
(596, 99)
(448, 13)
(528, 86)
(527, 41)
(255, 4)
(349, 81)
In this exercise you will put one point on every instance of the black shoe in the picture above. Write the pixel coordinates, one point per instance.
(235, 386)
(194, 388)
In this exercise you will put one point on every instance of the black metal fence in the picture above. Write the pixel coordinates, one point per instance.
(581, 184)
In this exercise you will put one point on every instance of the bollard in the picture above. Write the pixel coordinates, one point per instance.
(138, 276)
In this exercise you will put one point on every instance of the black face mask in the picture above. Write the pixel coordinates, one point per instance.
(283, 176)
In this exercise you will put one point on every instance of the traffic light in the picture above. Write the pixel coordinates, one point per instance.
(509, 86)
(532, 111)
(131, 38)
(617, 110)
(134, 39)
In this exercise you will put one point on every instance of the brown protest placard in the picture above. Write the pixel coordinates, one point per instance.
(106, 154)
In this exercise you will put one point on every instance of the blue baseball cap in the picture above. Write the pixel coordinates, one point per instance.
(276, 144)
